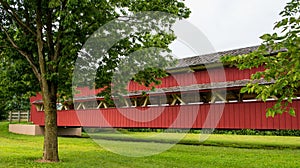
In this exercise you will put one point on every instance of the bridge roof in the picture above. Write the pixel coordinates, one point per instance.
(212, 58)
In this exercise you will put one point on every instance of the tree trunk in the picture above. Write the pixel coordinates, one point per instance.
(50, 138)
(49, 92)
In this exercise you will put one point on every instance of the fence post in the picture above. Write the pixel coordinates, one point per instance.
(28, 116)
(19, 116)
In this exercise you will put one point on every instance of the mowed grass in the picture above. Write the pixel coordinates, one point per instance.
(237, 141)
(228, 151)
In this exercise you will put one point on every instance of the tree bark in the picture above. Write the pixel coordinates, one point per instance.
(50, 139)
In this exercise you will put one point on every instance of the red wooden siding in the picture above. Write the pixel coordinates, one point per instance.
(184, 79)
(246, 115)
(200, 77)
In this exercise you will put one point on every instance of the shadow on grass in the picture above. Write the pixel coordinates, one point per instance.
(220, 143)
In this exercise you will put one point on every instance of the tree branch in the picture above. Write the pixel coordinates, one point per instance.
(49, 33)
(11, 12)
(26, 15)
(5, 46)
(25, 54)
(60, 34)
(40, 43)
(57, 47)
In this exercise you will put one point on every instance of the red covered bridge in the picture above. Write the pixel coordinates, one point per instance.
(199, 93)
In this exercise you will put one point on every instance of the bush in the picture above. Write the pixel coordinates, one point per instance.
(229, 132)
(259, 132)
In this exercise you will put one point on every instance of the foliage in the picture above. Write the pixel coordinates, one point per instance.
(259, 132)
(220, 131)
(66, 27)
(279, 54)
(47, 36)
(15, 86)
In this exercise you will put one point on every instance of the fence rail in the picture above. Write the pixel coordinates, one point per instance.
(19, 116)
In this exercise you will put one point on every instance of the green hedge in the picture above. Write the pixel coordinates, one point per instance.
(230, 132)
(259, 132)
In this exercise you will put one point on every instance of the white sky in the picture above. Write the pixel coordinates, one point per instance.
(231, 24)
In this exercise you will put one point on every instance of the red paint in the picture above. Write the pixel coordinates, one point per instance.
(250, 115)
(199, 77)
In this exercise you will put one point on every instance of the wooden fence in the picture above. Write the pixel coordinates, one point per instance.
(18, 116)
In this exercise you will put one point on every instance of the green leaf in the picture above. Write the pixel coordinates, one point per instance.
(292, 112)
(265, 37)
(244, 90)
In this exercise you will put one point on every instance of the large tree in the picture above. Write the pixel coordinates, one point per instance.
(49, 34)
(280, 55)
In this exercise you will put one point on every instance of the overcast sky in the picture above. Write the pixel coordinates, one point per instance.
(231, 24)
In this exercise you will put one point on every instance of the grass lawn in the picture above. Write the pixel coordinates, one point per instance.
(226, 151)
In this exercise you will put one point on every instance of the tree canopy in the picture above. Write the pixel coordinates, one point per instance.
(45, 37)
(279, 54)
